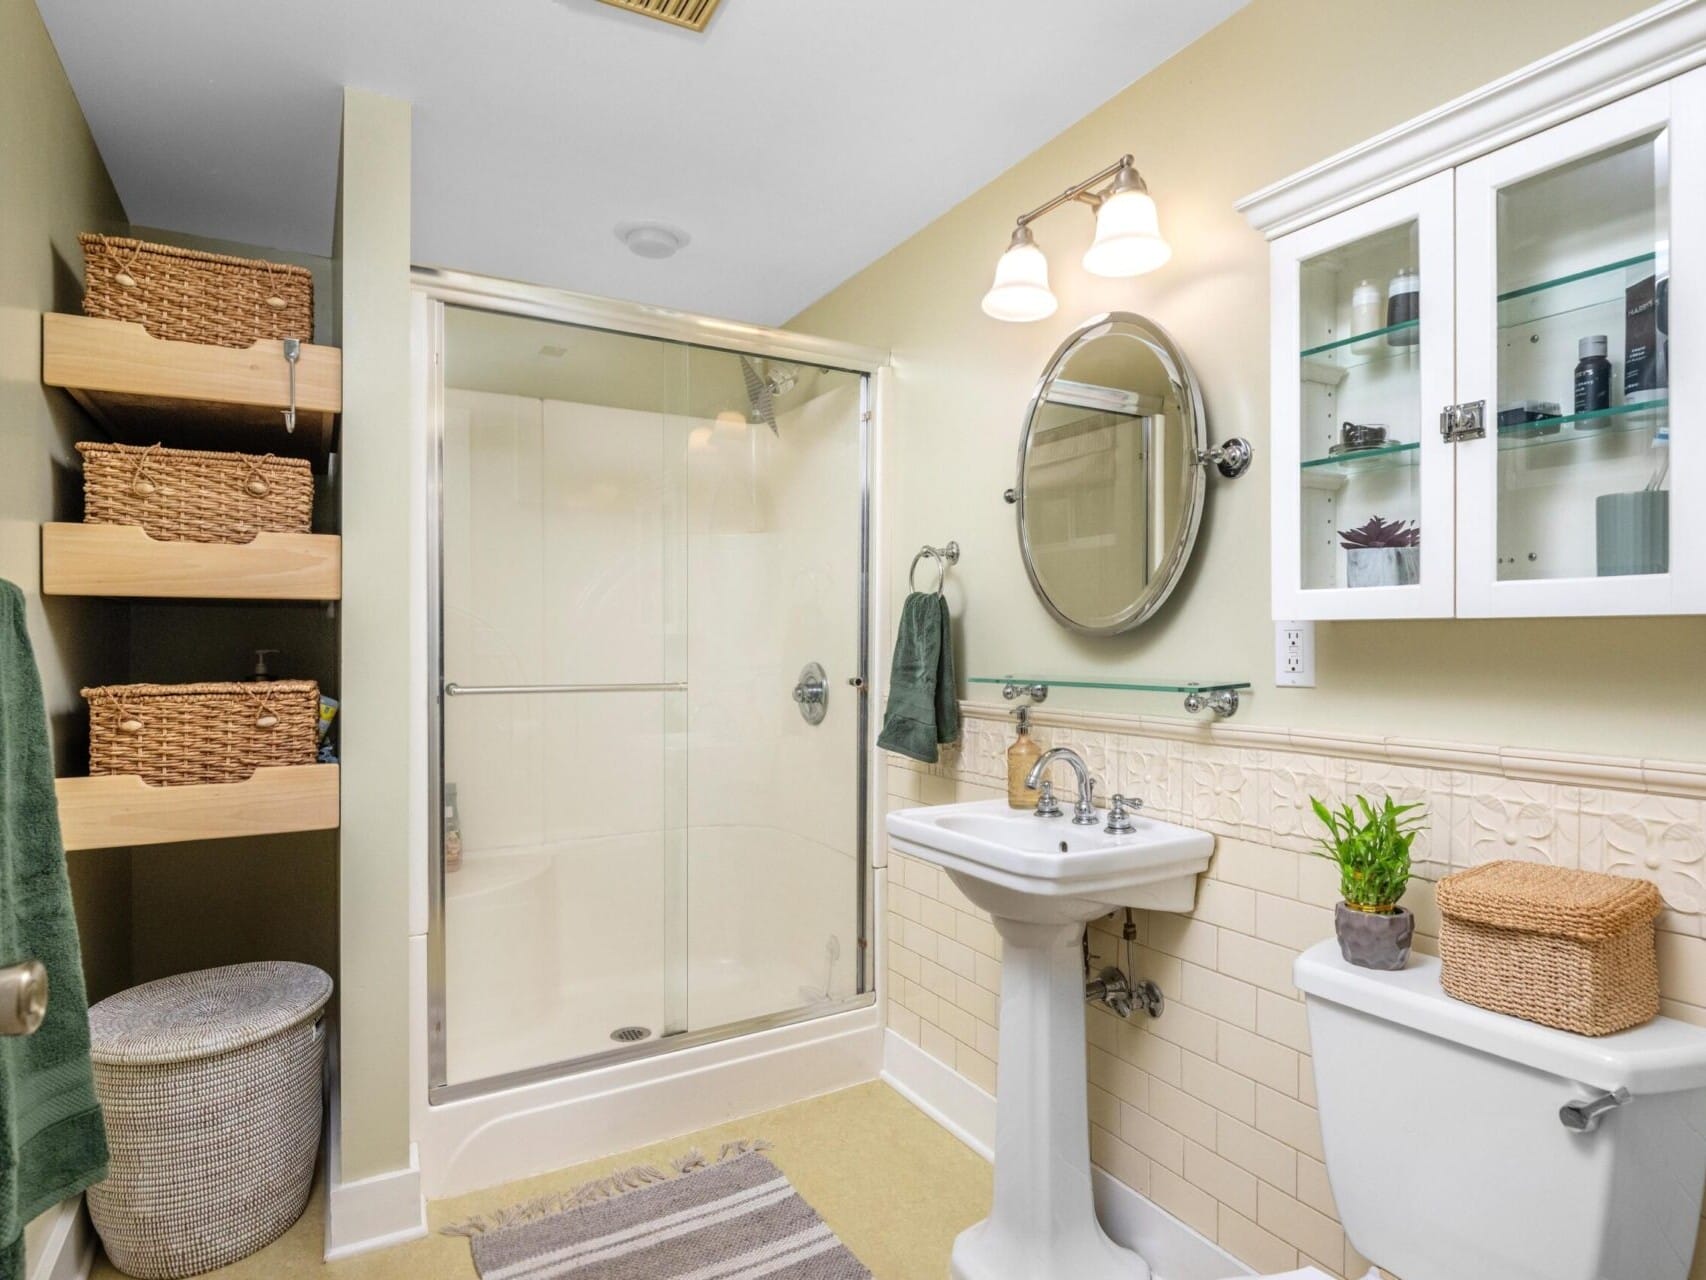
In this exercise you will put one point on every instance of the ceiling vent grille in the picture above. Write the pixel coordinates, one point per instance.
(692, 14)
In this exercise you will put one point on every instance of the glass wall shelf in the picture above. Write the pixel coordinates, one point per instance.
(1218, 696)
(1595, 424)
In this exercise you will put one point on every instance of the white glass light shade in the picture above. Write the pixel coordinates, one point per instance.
(1128, 237)
(1021, 291)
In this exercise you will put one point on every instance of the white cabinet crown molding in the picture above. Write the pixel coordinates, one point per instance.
(1654, 45)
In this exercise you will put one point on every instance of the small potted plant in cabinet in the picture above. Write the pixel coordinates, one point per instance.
(1382, 553)
(1371, 847)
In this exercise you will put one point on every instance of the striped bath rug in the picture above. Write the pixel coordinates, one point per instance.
(733, 1219)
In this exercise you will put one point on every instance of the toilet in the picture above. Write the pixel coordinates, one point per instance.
(1466, 1145)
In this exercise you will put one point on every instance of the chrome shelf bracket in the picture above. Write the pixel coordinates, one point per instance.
(1222, 702)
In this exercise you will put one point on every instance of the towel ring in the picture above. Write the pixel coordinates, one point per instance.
(943, 556)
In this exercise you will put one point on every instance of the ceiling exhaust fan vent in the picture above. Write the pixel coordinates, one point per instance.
(692, 14)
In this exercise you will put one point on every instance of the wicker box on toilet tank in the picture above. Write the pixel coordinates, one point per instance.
(1567, 949)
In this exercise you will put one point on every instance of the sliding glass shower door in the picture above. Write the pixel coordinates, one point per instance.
(650, 724)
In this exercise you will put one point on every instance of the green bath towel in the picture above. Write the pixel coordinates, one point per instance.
(52, 1141)
(924, 707)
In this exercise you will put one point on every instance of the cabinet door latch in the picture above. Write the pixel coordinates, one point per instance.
(1466, 421)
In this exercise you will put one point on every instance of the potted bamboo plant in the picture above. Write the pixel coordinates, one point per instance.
(1371, 847)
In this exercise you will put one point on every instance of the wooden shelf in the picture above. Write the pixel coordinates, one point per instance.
(117, 811)
(146, 390)
(122, 560)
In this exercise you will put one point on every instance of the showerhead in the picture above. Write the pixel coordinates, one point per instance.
(763, 384)
(758, 394)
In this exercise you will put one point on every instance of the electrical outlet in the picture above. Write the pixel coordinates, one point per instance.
(1294, 655)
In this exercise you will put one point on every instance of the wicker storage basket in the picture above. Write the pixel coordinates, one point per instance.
(210, 1083)
(178, 734)
(191, 495)
(1569, 949)
(188, 296)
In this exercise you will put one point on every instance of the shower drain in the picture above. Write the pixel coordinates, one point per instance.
(628, 1035)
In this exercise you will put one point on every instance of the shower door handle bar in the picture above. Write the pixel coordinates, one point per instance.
(470, 690)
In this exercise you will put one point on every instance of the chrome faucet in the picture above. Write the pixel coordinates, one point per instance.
(1084, 811)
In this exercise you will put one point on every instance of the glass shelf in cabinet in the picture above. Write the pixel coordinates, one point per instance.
(1341, 344)
(1594, 424)
(1576, 291)
(1402, 453)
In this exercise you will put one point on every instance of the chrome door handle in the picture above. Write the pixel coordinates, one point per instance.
(23, 998)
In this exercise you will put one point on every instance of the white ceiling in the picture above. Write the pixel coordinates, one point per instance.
(796, 140)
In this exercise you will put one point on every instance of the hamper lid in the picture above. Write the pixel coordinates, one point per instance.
(1531, 897)
(211, 1011)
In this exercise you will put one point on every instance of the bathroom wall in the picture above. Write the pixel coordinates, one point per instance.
(1210, 1109)
(382, 727)
(1280, 85)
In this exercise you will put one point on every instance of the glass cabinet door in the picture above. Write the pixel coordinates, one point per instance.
(1362, 485)
(1571, 248)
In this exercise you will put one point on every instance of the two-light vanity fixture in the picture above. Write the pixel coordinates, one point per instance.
(1128, 243)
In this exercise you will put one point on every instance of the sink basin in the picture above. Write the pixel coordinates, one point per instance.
(1041, 880)
(1015, 864)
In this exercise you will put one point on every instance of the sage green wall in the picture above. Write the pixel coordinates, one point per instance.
(1279, 86)
(377, 715)
(53, 185)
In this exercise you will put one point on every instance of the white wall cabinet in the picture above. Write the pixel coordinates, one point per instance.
(1556, 488)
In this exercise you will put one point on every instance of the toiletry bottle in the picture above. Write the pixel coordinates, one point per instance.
(1593, 375)
(1367, 315)
(1020, 757)
(1646, 327)
(1404, 304)
(261, 671)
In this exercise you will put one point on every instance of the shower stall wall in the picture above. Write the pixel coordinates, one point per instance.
(650, 807)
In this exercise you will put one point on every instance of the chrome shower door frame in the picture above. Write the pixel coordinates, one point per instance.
(435, 289)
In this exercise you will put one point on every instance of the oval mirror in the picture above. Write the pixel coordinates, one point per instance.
(1110, 486)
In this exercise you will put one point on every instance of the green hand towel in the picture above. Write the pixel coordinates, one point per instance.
(52, 1141)
(924, 707)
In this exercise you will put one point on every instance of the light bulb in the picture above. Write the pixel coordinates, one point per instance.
(1128, 233)
(1020, 292)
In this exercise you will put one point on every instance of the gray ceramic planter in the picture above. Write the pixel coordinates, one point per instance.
(1374, 941)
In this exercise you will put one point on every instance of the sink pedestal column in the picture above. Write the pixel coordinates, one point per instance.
(1043, 1224)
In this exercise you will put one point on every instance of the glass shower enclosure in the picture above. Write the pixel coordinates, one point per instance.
(649, 562)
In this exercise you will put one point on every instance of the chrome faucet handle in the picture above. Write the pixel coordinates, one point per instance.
(1047, 805)
(1120, 809)
(1084, 812)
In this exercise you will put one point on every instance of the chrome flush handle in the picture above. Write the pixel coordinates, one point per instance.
(1584, 1114)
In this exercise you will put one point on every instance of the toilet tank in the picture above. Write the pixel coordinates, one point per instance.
(1446, 1151)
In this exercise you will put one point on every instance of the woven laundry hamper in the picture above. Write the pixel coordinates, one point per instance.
(1567, 949)
(210, 1083)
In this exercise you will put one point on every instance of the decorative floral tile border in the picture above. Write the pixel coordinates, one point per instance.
(1643, 818)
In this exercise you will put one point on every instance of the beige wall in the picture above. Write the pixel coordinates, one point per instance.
(1281, 85)
(378, 715)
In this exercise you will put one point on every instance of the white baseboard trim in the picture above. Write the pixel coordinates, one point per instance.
(941, 1093)
(67, 1244)
(1174, 1250)
(370, 1213)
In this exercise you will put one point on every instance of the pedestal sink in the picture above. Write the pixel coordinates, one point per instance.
(1043, 880)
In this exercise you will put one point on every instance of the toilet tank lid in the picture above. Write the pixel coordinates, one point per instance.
(1665, 1056)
